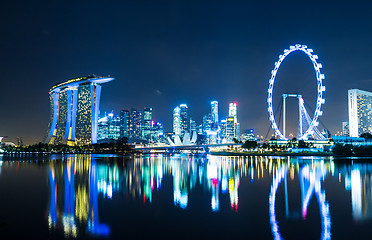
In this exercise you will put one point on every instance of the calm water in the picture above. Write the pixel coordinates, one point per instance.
(184, 197)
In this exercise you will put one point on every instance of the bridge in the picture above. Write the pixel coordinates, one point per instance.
(205, 148)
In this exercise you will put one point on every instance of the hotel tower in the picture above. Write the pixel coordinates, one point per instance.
(74, 111)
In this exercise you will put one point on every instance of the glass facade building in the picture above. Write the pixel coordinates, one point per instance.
(193, 126)
(103, 128)
(130, 125)
(147, 123)
(135, 124)
(184, 119)
(230, 129)
(214, 111)
(114, 127)
(345, 129)
(177, 121)
(124, 123)
(208, 122)
(74, 111)
(360, 112)
(233, 113)
(180, 120)
(223, 129)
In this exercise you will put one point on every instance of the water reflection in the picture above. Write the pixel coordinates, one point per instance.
(358, 180)
(310, 177)
(78, 182)
(213, 175)
(74, 184)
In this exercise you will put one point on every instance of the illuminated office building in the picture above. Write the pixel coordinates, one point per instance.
(230, 129)
(345, 129)
(193, 126)
(233, 111)
(114, 127)
(103, 128)
(223, 128)
(108, 127)
(135, 124)
(237, 131)
(207, 122)
(124, 123)
(184, 120)
(147, 123)
(177, 121)
(360, 112)
(233, 114)
(157, 131)
(74, 111)
(180, 120)
(214, 111)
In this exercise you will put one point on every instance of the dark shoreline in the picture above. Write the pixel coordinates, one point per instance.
(224, 153)
(303, 154)
(328, 154)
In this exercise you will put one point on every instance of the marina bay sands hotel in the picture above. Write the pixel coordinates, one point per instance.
(74, 111)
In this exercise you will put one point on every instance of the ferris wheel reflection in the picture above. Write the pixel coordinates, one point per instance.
(310, 181)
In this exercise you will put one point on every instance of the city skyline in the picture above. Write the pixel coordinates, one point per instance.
(139, 127)
(164, 55)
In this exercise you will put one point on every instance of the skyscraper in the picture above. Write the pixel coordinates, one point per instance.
(237, 130)
(207, 122)
(360, 112)
(108, 127)
(223, 126)
(214, 111)
(230, 129)
(124, 123)
(103, 128)
(234, 114)
(345, 129)
(135, 124)
(74, 111)
(233, 111)
(177, 121)
(146, 123)
(193, 126)
(184, 120)
(113, 126)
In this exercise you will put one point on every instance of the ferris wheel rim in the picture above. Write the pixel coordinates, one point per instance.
(320, 89)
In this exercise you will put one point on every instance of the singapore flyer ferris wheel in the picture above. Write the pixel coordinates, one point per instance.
(311, 123)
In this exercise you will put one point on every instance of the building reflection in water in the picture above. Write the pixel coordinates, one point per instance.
(78, 181)
(74, 185)
(358, 180)
(212, 174)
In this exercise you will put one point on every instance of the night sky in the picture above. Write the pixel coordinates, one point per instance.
(164, 53)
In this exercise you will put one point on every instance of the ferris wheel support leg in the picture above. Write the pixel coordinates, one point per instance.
(300, 114)
(284, 97)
